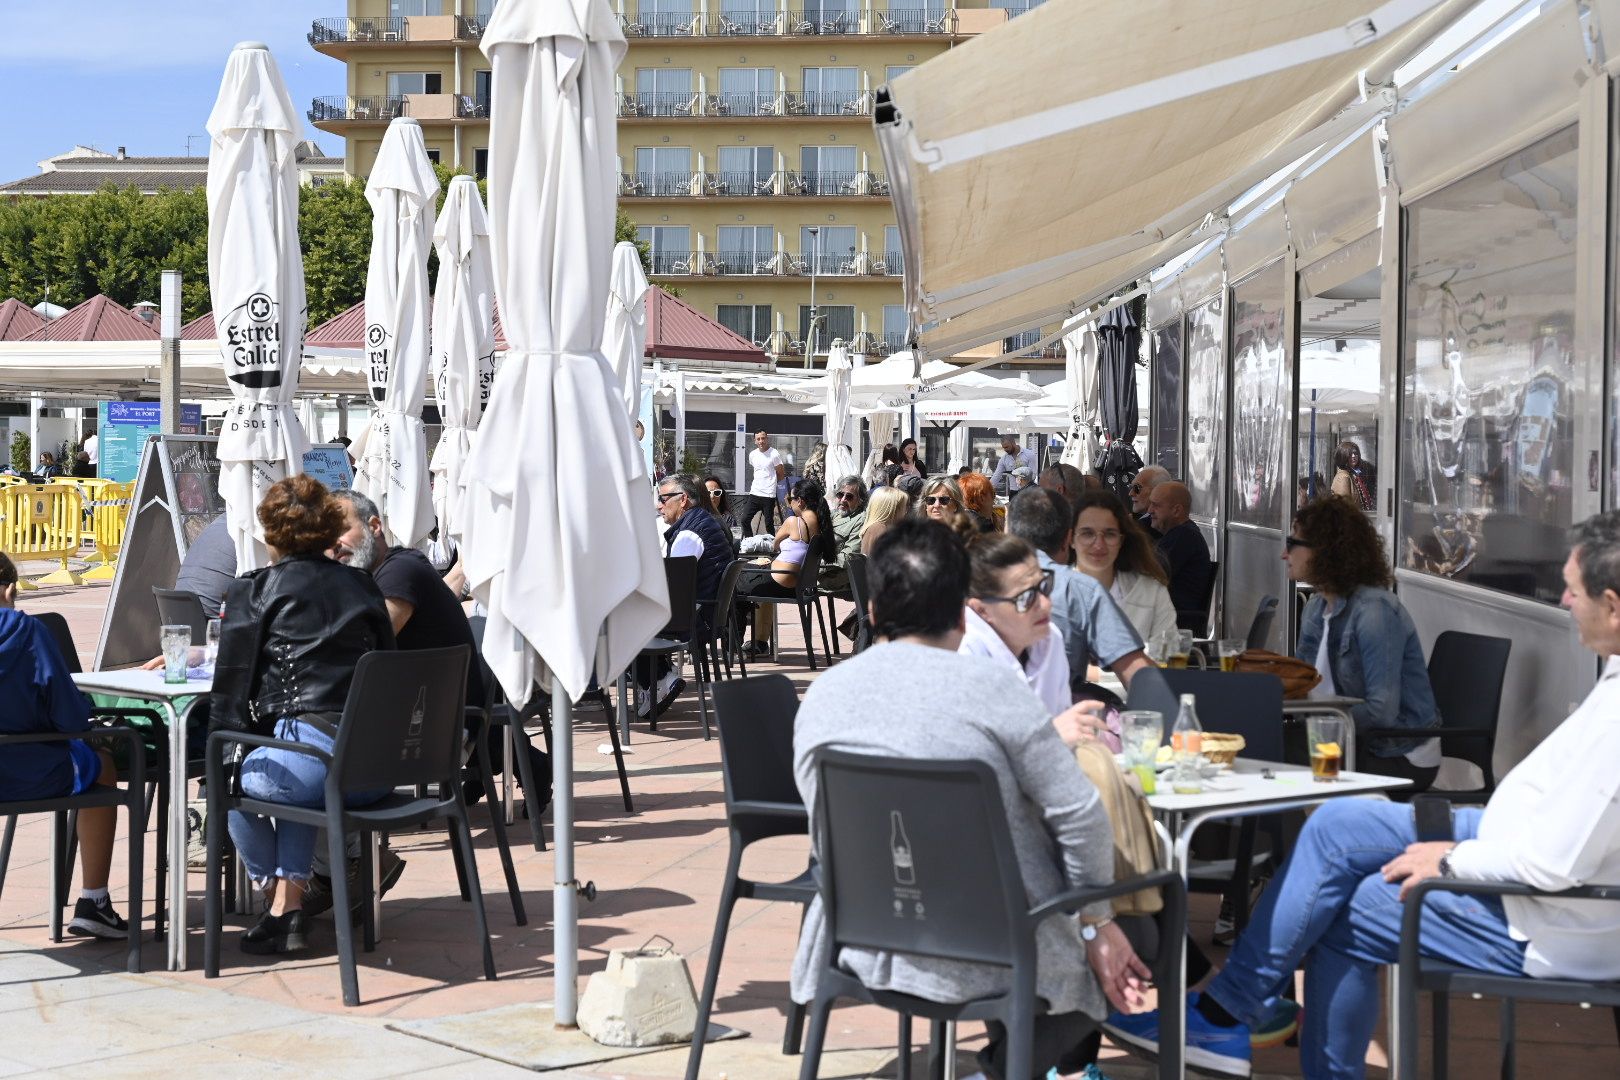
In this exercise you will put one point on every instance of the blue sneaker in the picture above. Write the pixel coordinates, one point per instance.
(1221, 1050)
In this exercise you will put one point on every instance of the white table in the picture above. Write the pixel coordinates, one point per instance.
(1248, 789)
(149, 686)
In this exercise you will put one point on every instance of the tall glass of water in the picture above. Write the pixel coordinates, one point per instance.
(211, 643)
(1141, 732)
(176, 642)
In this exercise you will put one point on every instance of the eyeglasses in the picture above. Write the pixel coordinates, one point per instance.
(1026, 599)
(1107, 536)
(938, 500)
(1136, 489)
(1295, 542)
(842, 495)
(665, 496)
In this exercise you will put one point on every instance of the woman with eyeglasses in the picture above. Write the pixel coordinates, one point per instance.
(912, 464)
(1112, 548)
(1362, 640)
(720, 504)
(941, 499)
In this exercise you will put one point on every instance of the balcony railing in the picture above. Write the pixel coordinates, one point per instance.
(801, 22)
(472, 27)
(674, 262)
(893, 264)
(756, 263)
(825, 103)
(344, 31)
(470, 107)
(1015, 10)
(662, 103)
(743, 103)
(752, 184)
(324, 109)
(894, 342)
(1027, 339)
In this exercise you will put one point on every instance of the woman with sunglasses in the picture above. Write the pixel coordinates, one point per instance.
(720, 504)
(1112, 548)
(1009, 620)
(911, 464)
(1362, 640)
(779, 576)
(941, 499)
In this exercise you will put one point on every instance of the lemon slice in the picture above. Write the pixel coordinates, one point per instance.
(1329, 749)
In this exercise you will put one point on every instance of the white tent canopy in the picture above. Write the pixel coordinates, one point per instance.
(113, 368)
(1028, 185)
(897, 382)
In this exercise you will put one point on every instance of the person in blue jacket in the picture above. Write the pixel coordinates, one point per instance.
(40, 697)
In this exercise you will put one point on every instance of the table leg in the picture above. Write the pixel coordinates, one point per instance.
(950, 1050)
(623, 709)
(177, 837)
(509, 764)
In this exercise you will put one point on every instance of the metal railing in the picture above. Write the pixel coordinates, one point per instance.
(338, 107)
(744, 103)
(818, 21)
(1021, 340)
(471, 107)
(745, 183)
(829, 183)
(661, 103)
(662, 24)
(831, 264)
(747, 263)
(344, 31)
(893, 264)
(663, 183)
(896, 341)
(1015, 10)
(780, 184)
(472, 27)
(825, 103)
(745, 24)
(673, 262)
(913, 20)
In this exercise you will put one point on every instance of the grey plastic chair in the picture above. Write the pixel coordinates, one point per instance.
(899, 831)
(401, 727)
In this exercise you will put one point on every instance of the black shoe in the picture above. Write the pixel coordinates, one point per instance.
(277, 934)
(317, 895)
(96, 918)
(668, 699)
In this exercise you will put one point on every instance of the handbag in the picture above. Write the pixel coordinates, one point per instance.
(1136, 848)
(1298, 677)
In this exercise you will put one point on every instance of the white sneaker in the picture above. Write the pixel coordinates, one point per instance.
(667, 683)
(644, 703)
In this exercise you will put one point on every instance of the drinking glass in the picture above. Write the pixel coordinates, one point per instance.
(1325, 734)
(1141, 732)
(1162, 648)
(736, 534)
(1229, 649)
(1181, 647)
(211, 643)
(176, 641)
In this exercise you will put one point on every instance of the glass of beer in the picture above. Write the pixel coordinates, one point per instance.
(1181, 642)
(1229, 649)
(1326, 737)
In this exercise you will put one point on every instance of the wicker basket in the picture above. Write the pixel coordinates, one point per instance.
(1221, 749)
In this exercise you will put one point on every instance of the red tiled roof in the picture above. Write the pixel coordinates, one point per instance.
(199, 329)
(17, 320)
(97, 319)
(678, 331)
(675, 331)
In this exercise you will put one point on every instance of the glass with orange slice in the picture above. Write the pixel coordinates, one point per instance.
(1325, 735)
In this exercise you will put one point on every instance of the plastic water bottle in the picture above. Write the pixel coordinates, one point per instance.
(1187, 741)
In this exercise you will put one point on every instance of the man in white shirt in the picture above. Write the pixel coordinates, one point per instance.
(768, 469)
(92, 448)
(1013, 457)
(1552, 823)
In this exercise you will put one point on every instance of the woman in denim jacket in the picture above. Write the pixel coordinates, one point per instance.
(1371, 649)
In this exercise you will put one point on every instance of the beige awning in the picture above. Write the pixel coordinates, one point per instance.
(1044, 163)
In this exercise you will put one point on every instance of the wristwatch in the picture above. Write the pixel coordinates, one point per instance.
(1445, 863)
(1089, 928)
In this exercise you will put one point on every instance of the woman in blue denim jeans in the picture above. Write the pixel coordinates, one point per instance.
(292, 635)
(1361, 639)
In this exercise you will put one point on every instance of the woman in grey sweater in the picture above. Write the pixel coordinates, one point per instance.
(957, 706)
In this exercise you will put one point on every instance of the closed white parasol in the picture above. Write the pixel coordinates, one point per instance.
(561, 545)
(392, 469)
(463, 343)
(625, 339)
(256, 279)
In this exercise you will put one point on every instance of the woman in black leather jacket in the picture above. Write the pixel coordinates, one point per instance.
(292, 635)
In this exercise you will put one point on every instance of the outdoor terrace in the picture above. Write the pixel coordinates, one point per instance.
(780, 264)
(688, 104)
(795, 23)
(335, 112)
(733, 185)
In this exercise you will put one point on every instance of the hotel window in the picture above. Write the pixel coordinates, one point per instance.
(746, 169)
(743, 248)
(752, 321)
(837, 321)
(401, 83)
(829, 170)
(664, 170)
(670, 245)
(747, 91)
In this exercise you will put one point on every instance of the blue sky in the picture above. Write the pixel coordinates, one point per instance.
(141, 73)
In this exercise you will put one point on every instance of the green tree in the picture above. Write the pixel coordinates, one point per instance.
(334, 229)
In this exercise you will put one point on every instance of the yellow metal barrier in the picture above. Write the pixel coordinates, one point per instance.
(41, 521)
(109, 514)
(86, 486)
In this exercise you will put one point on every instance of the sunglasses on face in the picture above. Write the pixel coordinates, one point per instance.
(1026, 599)
(938, 500)
(1136, 489)
(1295, 542)
(842, 495)
(715, 493)
(665, 496)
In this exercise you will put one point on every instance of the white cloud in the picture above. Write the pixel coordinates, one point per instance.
(119, 35)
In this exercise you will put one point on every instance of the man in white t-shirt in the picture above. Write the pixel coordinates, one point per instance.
(92, 449)
(766, 465)
(1552, 823)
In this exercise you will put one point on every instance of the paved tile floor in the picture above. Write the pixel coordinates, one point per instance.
(68, 1007)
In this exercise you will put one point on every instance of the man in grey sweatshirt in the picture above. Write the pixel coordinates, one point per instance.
(940, 704)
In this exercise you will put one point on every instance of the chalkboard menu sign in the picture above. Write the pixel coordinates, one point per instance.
(193, 465)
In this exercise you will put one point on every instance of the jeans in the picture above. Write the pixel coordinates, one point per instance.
(285, 849)
(759, 504)
(1331, 907)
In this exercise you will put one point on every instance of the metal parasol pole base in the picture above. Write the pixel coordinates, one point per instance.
(565, 898)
